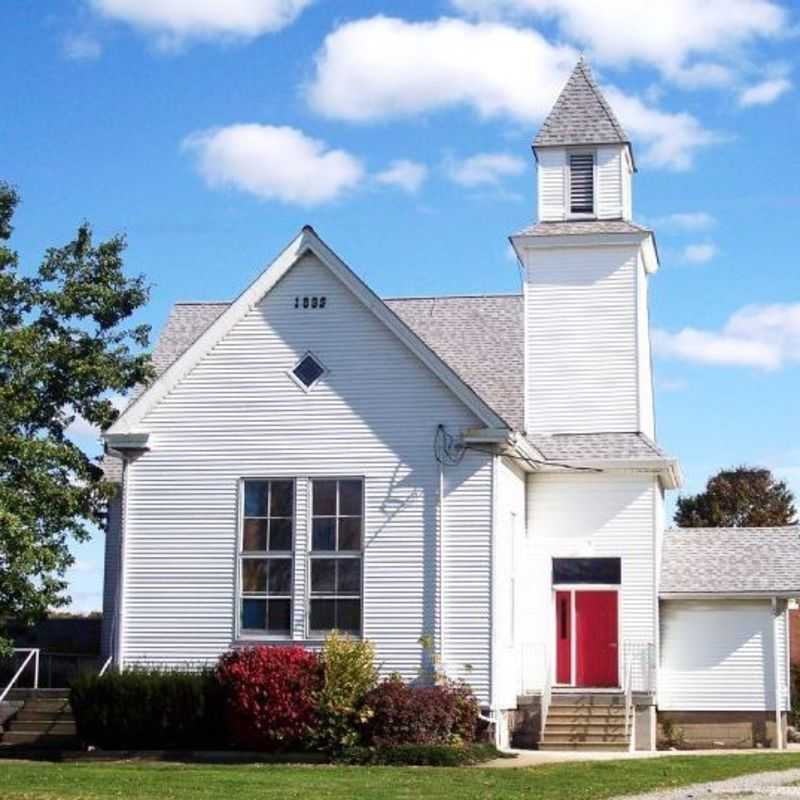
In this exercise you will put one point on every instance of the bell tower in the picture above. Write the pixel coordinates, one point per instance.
(586, 270)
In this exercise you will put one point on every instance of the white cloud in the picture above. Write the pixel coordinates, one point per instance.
(686, 221)
(762, 336)
(406, 175)
(669, 36)
(484, 169)
(699, 253)
(274, 163)
(174, 21)
(671, 138)
(81, 47)
(381, 67)
(764, 93)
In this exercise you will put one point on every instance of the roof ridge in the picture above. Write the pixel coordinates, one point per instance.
(454, 296)
(581, 115)
(612, 117)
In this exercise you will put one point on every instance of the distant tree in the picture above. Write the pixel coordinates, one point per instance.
(64, 350)
(738, 498)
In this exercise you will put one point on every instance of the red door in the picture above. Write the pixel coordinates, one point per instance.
(596, 657)
(564, 637)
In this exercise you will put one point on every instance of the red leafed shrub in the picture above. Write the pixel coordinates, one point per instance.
(271, 696)
(403, 714)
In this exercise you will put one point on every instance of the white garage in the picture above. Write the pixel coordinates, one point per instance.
(724, 676)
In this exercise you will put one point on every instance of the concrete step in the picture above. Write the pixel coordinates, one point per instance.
(32, 714)
(608, 747)
(585, 727)
(42, 726)
(38, 694)
(583, 738)
(587, 712)
(587, 699)
(37, 739)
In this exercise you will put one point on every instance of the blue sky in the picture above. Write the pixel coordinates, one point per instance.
(211, 132)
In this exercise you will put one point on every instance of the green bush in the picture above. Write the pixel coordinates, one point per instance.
(149, 709)
(349, 673)
(422, 755)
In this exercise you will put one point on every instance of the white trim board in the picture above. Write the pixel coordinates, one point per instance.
(306, 241)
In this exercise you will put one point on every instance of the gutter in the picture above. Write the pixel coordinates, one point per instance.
(767, 595)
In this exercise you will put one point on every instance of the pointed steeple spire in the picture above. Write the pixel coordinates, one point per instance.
(581, 115)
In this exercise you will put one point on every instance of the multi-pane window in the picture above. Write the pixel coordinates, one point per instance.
(337, 521)
(267, 556)
(581, 183)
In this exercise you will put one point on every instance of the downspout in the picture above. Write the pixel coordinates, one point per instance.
(441, 587)
(778, 676)
(493, 710)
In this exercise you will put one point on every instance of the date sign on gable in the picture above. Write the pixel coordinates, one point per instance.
(310, 301)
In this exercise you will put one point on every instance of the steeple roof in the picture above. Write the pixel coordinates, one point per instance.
(581, 115)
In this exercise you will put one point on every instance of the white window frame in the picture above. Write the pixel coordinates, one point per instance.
(568, 182)
(297, 381)
(311, 554)
(257, 634)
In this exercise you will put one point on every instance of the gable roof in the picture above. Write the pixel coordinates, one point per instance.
(306, 241)
(480, 338)
(581, 115)
(731, 561)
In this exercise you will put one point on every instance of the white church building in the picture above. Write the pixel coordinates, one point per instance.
(480, 472)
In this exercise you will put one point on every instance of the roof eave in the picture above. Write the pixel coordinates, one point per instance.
(667, 470)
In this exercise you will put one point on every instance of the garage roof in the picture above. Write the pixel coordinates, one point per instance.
(731, 561)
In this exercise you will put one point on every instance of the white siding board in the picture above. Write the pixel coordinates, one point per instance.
(644, 358)
(609, 202)
(583, 515)
(552, 189)
(238, 414)
(719, 656)
(512, 576)
(581, 330)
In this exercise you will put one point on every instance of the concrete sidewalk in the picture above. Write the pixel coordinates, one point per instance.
(538, 758)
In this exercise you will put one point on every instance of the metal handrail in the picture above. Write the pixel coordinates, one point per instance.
(33, 653)
(105, 666)
(547, 690)
(628, 686)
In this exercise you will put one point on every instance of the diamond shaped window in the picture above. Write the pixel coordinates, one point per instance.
(308, 371)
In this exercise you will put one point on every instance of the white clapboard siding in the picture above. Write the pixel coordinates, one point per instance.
(581, 333)
(646, 409)
(467, 571)
(512, 582)
(610, 182)
(551, 182)
(719, 656)
(238, 414)
(597, 515)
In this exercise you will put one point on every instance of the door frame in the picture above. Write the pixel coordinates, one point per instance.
(572, 588)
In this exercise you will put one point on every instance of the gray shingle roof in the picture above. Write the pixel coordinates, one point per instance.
(731, 561)
(581, 115)
(480, 338)
(582, 227)
(595, 446)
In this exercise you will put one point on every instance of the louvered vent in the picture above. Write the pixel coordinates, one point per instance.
(581, 183)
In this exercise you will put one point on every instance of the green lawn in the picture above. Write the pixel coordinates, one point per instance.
(27, 780)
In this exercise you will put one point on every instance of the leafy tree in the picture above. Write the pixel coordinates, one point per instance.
(64, 350)
(738, 498)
